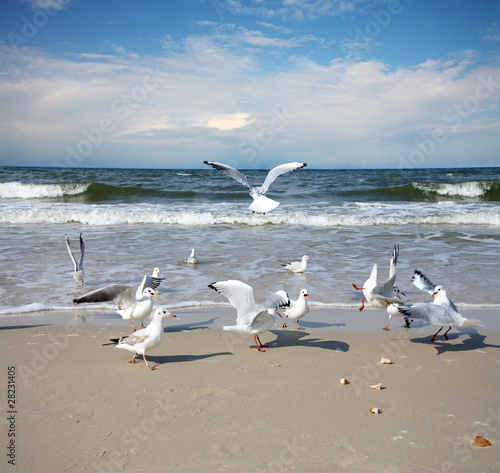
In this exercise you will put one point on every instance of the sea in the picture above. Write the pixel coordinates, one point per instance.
(445, 221)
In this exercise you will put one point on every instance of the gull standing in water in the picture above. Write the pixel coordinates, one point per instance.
(147, 338)
(381, 296)
(250, 318)
(297, 266)
(132, 304)
(192, 259)
(261, 203)
(78, 273)
(440, 312)
(297, 309)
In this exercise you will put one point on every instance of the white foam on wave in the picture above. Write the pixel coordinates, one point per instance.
(19, 190)
(470, 189)
(99, 215)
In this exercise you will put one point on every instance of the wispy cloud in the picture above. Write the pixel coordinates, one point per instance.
(208, 96)
(49, 4)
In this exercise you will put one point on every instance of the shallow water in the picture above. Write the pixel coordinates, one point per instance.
(345, 221)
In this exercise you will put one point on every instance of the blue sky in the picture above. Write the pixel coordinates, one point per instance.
(253, 83)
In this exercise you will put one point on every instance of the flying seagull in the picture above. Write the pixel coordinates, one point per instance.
(261, 203)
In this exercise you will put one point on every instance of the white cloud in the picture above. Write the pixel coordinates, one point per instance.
(207, 99)
(49, 4)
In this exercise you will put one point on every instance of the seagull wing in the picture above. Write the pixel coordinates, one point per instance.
(82, 252)
(394, 261)
(276, 300)
(240, 295)
(122, 294)
(422, 282)
(278, 171)
(147, 281)
(68, 246)
(230, 171)
(428, 312)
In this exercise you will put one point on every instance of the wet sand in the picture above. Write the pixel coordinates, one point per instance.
(214, 403)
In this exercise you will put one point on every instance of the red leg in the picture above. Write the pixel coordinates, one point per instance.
(262, 346)
(357, 288)
(446, 336)
(362, 304)
(132, 360)
(257, 343)
(434, 337)
(284, 323)
(132, 325)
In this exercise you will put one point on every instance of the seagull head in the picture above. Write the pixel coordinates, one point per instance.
(163, 313)
(437, 290)
(148, 292)
(304, 293)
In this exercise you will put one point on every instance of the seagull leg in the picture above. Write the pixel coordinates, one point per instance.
(445, 334)
(262, 346)
(146, 361)
(132, 325)
(284, 323)
(300, 327)
(357, 288)
(434, 337)
(142, 324)
(132, 360)
(362, 304)
(386, 328)
(257, 343)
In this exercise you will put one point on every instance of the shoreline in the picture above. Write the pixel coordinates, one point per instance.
(214, 403)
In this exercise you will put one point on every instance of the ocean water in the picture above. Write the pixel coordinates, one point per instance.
(446, 222)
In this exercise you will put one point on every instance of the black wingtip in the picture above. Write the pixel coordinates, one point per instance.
(303, 165)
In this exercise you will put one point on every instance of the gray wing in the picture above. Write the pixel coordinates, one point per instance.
(278, 171)
(68, 247)
(133, 339)
(230, 171)
(147, 281)
(394, 261)
(422, 282)
(276, 300)
(428, 312)
(122, 294)
(82, 252)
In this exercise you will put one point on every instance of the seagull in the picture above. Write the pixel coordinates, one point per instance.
(147, 338)
(381, 296)
(192, 258)
(297, 309)
(78, 273)
(250, 318)
(261, 203)
(440, 312)
(132, 304)
(297, 266)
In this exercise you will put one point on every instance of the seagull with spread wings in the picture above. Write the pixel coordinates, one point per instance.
(261, 203)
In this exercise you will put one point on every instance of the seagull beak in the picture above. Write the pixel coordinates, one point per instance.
(434, 294)
(306, 296)
(155, 294)
(172, 315)
(402, 294)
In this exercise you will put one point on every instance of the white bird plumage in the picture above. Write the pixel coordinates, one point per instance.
(440, 312)
(250, 317)
(297, 266)
(261, 203)
(298, 309)
(146, 339)
(382, 295)
(192, 259)
(132, 304)
(77, 273)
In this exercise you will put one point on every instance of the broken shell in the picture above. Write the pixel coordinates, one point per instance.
(376, 386)
(481, 442)
(375, 410)
(385, 361)
(344, 381)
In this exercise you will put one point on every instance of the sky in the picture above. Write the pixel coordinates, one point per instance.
(250, 83)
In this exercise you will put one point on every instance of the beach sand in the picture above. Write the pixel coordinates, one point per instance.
(216, 404)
